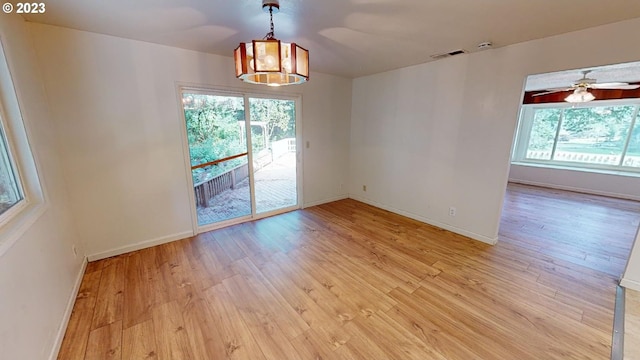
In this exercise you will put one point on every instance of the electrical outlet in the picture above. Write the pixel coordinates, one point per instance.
(364, 187)
(452, 211)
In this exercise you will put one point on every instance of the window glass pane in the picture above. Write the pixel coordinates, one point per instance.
(273, 134)
(543, 132)
(215, 130)
(218, 152)
(594, 135)
(632, 158)
(9, 188)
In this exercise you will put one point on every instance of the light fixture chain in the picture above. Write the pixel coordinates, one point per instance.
(271, 34)
(271, 20)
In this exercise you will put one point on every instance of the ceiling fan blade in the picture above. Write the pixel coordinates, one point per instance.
(552, 91)
(615, 85)
(609, 84)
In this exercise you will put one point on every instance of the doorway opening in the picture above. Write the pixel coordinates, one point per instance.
(574, 165)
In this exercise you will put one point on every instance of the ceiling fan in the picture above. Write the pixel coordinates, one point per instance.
(580, 88)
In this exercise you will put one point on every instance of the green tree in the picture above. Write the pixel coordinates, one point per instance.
(213, 131)
(279, 116)
(215, 128)
(543, 131)
(602, 124)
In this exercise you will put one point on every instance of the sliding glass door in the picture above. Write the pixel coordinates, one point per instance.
(242, 151)
(219, 156)
(273, 127)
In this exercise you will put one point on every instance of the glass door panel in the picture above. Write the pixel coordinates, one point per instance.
(273, 140)
(219, 156)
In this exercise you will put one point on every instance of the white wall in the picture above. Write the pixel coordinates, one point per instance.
(436, 135)
(39, 273)
(615, 185)
(118, 121)
(631, 276)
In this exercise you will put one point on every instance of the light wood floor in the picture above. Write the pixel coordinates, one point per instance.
(348, 281)
(632, 325)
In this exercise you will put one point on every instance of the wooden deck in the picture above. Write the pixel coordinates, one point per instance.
(275, 189)
(349, 281)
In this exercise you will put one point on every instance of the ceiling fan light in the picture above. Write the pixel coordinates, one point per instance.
(580, 95)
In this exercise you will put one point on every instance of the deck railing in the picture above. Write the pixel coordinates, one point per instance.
(603, 159)
(283, 146)
(207, 189)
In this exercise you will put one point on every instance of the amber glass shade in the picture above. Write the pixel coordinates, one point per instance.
(266, 55)
(302, 61)
(271, 62)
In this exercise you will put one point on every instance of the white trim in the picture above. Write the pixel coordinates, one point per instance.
(13, 211)
(14, 229)
(17, 133)
(595, 103)
(246, 95)
(624, 281)
(299, 153)
(140, 245)
(246, 101)
(630, 284)
(245, 218)
(187, 158)
(563, 166)
(278, 92)
(469, 234)
(324, 201)
(224, 223)
(525, 124)
(576, 189)
(67, 313)
(278, 211)
(578, 166)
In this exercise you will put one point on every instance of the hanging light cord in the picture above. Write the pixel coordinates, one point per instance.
(270, 35)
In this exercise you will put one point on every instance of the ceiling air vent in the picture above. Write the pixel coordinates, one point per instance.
(450, 53)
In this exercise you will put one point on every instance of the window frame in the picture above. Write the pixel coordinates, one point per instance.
(525, 125)
(17, 207)
(16, 221)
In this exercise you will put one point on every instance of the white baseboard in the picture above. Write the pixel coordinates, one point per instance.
(67, 313)
(576, 189)
(324, 201)
(469, 234)
(140, 245)
(173, 237)
(630, 284)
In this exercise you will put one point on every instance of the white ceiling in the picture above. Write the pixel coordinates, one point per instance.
(345, 37)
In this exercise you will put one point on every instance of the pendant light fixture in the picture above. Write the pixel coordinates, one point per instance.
(270, 61)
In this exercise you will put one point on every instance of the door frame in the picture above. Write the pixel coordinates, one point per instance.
(245, 94)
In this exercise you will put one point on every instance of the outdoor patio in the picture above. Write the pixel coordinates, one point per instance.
(275, 188)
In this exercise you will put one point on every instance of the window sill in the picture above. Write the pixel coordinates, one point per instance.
(556, 166)
(15, 227)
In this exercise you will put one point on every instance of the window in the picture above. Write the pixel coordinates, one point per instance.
(22, 199)
(603, 135)
(10, 188)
